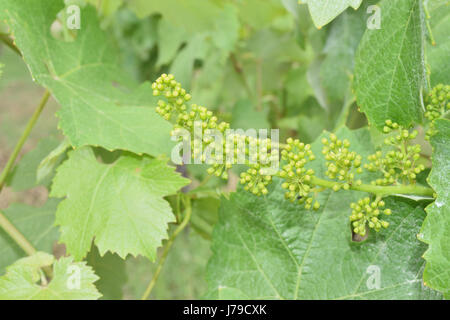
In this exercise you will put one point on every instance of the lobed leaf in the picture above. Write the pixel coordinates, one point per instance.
(436, 227)
(71, 280)
(120, 204)
(100, 104)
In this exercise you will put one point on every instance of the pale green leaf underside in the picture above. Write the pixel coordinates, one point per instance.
(324, 11)
(121, 204)
(436, 227)
(101, 105)
(389, 68)
(269, 248)
(21, 280)
(36, 224)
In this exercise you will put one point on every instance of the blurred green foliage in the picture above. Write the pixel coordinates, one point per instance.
(256, 63)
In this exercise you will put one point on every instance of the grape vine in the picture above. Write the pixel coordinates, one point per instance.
(134, 181)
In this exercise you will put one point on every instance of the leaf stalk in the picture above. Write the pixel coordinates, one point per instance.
(167, 248)
(12, 159)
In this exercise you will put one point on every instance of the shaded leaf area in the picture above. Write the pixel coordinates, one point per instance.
(120, 204)
(389, 66)
(36, 224)
(182, 276)
(70, 281)
(100, 104)
(270, 248)
(340, 48)
(436, 227)
(110, 268)
(24, 175)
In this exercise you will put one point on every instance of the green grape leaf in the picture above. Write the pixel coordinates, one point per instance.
(245, 116)
(324, 11)
(71, 280)
(106, 8)
(205, 212)
(389, 66)
(438, 55)
(170, 38)
(120, 204)
(297, 78)
(111, 270)
(343, 39)
(24, 175)
(226, 28)
(183, 65)
(192, 15)
(436, 227)
(100, 104)
(36, 224)
(225, 293)
(271, 248)
(260, 14)
(51, 161)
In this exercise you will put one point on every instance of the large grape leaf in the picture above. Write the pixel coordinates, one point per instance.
(71, 280)
(100, 104)
(272, 248)
(324, 11)
(36, 224)
(436, 227)
(438, 55)
(120, 204)
(389, 66)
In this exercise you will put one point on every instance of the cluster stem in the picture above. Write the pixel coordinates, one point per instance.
(380, 190)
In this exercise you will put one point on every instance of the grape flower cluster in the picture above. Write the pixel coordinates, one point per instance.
(298, 183)
(341, 163)
(399, 164)
(437, 106)
(366, 214)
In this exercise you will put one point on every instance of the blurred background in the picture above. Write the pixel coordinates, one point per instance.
(256, 63)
